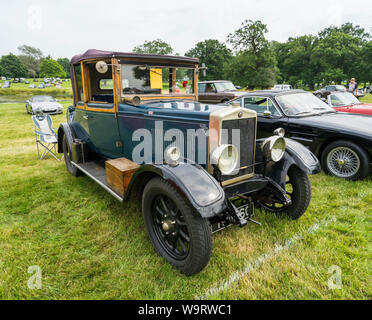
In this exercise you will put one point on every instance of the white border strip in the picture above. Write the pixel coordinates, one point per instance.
(253, 265)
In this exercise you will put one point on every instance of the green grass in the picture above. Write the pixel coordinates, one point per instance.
(89, 246)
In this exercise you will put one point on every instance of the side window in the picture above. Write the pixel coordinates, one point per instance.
(260, 104)
(79, 83)
(331, 88)
(210, 88)
(202, 87)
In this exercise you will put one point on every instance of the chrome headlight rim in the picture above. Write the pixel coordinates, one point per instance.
(271, 144)
(220, 152)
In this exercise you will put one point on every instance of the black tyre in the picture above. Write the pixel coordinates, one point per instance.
(298, 189)
(347, 160)
(28, 112)
(67, 155)
(177, 234)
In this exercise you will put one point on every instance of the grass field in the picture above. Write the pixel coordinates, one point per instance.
(89, 246)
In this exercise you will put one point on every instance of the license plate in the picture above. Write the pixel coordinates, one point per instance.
(245, 211)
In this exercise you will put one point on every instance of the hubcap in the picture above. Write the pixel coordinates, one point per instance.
(343, 162)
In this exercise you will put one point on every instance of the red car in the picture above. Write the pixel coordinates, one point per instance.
(347, 102)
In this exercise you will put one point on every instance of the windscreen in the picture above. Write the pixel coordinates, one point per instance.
(145, 79)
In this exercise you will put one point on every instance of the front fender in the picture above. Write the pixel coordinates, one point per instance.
(200, 190)
(295, 154)
(65, 129)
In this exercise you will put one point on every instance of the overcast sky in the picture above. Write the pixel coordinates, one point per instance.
(66, 27)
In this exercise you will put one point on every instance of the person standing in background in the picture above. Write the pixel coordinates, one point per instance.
(352, 87)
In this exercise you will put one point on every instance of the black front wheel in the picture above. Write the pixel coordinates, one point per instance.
(298, 189)
(183, 238)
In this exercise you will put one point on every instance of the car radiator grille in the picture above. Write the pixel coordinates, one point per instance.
(247, 144)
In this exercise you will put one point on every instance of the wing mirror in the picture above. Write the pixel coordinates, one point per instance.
(267, 114)
(238, 87)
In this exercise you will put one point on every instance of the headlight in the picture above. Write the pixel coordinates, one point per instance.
(273, 148)
(172, 154)
(226, 157)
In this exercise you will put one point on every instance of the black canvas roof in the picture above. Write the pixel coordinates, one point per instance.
(97, 54)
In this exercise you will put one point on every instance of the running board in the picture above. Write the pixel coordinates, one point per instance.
(98, 174)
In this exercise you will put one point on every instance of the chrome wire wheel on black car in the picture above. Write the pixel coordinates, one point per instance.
(343, 162)
(178, 234)
(298, 189)
(344, 159)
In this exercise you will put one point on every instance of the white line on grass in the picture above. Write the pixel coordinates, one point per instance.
(253, 265)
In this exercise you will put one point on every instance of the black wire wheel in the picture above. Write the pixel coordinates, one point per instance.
(178, 234)
(298, 189)
(67, 156)
(347, 160)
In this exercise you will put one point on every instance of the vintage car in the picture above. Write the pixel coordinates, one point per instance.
(45, 104)
(347, 102)
(343, 142)
(327, 90)
(197, 168)
(217, 91)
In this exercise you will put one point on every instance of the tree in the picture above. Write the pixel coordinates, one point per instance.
(65, 63)
(11, 66)
(31, 58)
(155, 46)
(296, 60)
(255, 63)
(214, 54)
(51, 68)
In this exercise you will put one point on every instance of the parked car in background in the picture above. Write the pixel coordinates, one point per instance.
(186, 195)
(3, 78)
(326, 91)
(46, 104)
(343, 142)
(41, 86)
(27, 82)
(16, 80)
(32, 86)
(282, 87)
(6, 84)
(217, 91)
(347, 102)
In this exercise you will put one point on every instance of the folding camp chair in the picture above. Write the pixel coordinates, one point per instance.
(45, 136)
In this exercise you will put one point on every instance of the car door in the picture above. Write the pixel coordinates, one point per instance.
(101, 112)
(210, 94)
(201, 92)
(266, 123)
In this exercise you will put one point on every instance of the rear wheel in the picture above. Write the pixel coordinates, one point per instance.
(298, 189)
(345, 159)
(177, 234)
(67, 155)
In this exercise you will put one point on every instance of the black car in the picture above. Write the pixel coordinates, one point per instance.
(343, 142)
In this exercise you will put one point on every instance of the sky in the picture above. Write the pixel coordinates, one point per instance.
(68, 27)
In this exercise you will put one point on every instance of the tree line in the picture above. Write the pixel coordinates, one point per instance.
(247, 58)
(31, 62)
